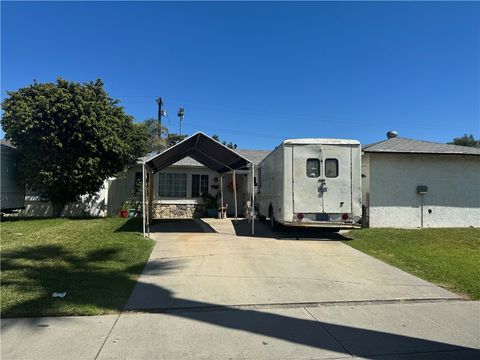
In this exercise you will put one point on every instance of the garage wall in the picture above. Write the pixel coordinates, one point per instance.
(453, 198)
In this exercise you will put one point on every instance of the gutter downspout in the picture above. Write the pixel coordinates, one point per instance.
(143, 198)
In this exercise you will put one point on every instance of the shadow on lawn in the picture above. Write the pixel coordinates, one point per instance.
(92, 281)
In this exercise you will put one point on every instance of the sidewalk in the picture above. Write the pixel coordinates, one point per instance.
(431, 330)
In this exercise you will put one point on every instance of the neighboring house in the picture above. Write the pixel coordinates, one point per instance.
(177, 189)
(12, 193)
(407, 182)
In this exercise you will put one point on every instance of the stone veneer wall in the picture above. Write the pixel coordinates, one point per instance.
(177, 211)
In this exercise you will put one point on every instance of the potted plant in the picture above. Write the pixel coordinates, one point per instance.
(210, 203)
(124, 211)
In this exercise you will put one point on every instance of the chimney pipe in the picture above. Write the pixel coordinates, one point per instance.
(392, 134)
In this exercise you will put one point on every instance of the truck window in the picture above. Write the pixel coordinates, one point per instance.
(331, 168)
(313, 168)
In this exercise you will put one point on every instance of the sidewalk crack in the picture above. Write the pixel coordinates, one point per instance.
(329, 333)
(106, 337)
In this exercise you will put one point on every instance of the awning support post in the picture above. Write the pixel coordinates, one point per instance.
(222, 216)
(235, 195)
(143, 199)
(252, 205)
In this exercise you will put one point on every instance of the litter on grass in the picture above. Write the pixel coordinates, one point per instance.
(59, 294)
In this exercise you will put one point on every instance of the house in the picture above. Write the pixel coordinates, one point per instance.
(177, 189)
(412, 184)
(12, 193)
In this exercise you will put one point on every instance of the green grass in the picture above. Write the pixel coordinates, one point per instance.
(96, 261)
(447, 257)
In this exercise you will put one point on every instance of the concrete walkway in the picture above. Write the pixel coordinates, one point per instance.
(434, 330)
(218, 296)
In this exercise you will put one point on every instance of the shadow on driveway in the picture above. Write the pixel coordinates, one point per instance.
(243, 227)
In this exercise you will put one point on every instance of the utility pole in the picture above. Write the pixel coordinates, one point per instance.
(181, 114)
(161, 112)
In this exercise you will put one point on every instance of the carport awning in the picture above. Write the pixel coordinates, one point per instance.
(205, 150)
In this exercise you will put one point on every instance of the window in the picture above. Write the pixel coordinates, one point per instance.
(199, 185)
(172, 185)
(313, 168)
(331, 168)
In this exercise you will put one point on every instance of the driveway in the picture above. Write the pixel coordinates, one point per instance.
(197, 270)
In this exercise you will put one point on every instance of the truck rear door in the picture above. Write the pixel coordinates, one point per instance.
(337, 176)
(307, 172)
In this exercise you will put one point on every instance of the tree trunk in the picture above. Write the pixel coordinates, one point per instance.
(57, 208)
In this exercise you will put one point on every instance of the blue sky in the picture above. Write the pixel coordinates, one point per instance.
(257, 73)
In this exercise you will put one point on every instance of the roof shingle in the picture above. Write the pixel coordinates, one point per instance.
(404, 145)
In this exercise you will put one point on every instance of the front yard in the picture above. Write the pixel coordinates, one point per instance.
(95, 261)
(447, 257)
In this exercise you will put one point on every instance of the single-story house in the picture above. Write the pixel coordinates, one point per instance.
(412, 184)
(177, 189)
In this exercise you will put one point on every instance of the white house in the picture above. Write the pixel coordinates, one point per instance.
(412, 184)
(177, 189)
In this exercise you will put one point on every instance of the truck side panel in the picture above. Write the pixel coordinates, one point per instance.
(271, 174)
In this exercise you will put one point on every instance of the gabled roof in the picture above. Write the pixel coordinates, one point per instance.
(203, 149)
(404, 145)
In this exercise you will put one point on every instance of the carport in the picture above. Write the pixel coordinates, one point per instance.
(206, 151)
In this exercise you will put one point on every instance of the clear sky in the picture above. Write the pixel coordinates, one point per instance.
(257, 73)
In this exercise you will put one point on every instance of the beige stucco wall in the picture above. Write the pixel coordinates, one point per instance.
(453, 198)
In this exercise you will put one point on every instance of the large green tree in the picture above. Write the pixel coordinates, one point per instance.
(70, 137)
(466, 140)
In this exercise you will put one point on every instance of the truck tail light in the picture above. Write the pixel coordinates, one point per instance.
(344, 217)
(299, 216)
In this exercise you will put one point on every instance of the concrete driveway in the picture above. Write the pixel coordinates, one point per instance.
(197, 270)
(225, 295)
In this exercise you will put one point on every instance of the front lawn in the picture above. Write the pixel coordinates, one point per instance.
(95, 261)
(447, 257)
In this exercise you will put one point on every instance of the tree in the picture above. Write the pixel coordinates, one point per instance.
(466, 140)
(230, 145)
(173, 139)
(156, 143)
(70, 137)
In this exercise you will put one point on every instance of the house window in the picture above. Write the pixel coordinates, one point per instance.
(331, 168)
(313, 168)
(199, 185)
(172, 185)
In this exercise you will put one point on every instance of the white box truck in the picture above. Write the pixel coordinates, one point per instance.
(311, 183)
